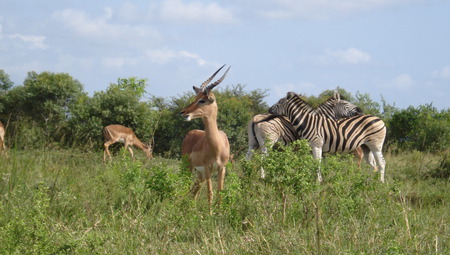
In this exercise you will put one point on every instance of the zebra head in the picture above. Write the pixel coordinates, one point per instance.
(344, 109)
(282, 106)
(337, 108)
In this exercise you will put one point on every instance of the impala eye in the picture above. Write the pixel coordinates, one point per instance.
(201, 101)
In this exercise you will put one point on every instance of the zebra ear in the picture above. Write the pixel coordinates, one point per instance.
(337, 96)
(290, 95)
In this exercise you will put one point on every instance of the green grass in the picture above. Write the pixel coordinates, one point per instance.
(63, 202)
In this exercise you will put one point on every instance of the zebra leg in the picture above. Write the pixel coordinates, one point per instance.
(379, 160)
(252, 144)
(249, 154)
(317, 154)
(369, 157)
(262, 145)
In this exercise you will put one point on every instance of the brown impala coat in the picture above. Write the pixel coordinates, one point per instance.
(206, 150)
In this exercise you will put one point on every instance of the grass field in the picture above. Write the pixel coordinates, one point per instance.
(65, 202)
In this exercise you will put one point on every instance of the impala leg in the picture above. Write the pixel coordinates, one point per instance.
(128, 147)
(209, 185)
(220, 181)
(106, 151)
(196, 188)
(359, 154)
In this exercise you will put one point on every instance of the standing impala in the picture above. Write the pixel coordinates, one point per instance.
(2, 138)
(207, 150)
(119, 133)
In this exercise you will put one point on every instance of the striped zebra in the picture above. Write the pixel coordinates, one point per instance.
(267, 129)
(264, 130)
(330, 135)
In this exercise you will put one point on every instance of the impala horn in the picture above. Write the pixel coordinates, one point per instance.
(210, 87)
(210, 78)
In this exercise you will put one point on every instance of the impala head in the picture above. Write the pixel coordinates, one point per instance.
(148, 150)
(205, 101)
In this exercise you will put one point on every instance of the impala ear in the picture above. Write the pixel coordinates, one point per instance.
(197, 90)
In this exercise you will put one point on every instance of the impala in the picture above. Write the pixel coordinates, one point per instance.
(2, 138)
(206, 150)
(119, 133)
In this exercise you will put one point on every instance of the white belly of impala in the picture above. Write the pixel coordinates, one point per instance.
(201, 169)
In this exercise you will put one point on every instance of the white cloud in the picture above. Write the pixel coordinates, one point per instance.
(26, 41)
(403, 81)
(104, 28)
(320, 9)
(444, 73)
(197, 12)
(34, 41)
(348, 56)
(166, 55)
(161, 55)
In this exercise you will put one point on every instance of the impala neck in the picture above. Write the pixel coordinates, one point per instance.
(211, 129)
(139, 144)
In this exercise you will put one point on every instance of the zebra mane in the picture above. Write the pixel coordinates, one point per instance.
(334, 107)
(305, 105)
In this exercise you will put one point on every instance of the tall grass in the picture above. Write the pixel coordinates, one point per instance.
(60, 202)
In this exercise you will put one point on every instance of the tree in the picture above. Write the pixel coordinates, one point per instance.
(5, 82)
(366, 104)
(120, 104)
(42, 104)
(326, 94)
(423, 128)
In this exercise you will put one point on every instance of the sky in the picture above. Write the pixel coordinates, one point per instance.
(398, 50)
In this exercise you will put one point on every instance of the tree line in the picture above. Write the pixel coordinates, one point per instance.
(52, 111)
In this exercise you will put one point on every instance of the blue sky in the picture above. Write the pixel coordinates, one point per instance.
(396, 48)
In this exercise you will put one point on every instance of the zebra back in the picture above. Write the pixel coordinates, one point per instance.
(327, 133)
(277, 128)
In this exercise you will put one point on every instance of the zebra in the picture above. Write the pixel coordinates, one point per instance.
(267, 129)
(336, 108)
(331, 135)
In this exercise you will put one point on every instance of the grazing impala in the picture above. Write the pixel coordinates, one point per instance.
(119, 133)
(207, 150)
(2, 138)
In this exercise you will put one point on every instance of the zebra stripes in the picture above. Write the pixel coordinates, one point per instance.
(267, 129)
(330, 135)
(336, 108)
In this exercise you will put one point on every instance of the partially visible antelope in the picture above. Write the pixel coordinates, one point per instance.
(2, 138)
(119, 133)
(206, 150)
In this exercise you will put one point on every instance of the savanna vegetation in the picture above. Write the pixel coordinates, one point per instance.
(57, 197)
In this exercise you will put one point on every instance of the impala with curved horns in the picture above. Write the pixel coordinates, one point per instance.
(206, 150)
(119, 133)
